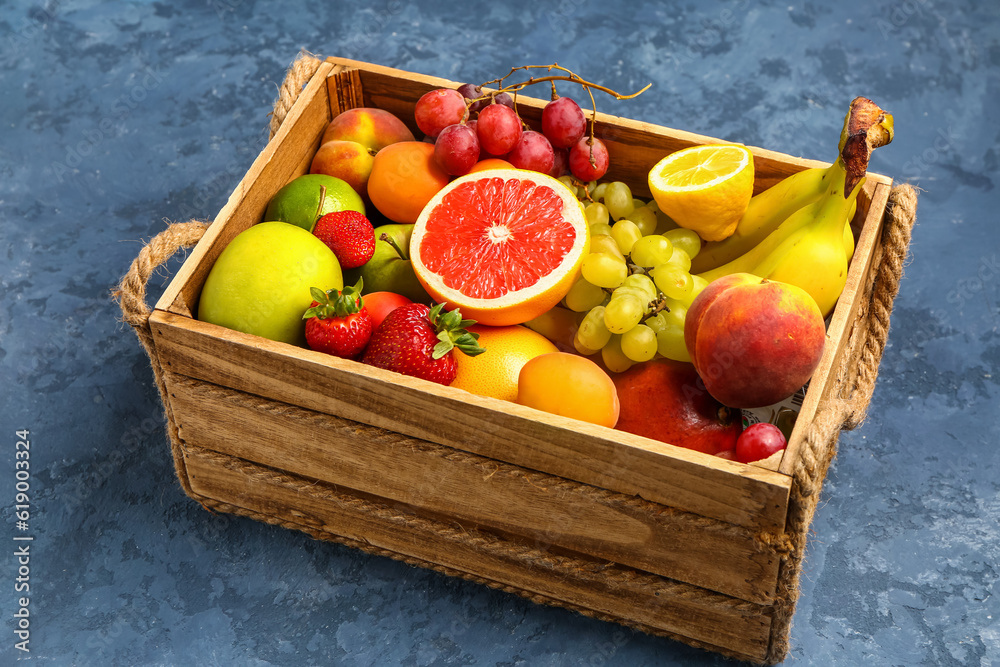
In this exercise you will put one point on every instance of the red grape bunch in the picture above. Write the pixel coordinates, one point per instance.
(471, 124)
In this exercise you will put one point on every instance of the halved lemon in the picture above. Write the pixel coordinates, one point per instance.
(704, 188)
(503, 245)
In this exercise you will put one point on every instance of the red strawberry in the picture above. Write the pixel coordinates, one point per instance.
(419, 341)
(349, 235)
(338, 322)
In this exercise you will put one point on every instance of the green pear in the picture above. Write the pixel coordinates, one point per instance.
(390, 268)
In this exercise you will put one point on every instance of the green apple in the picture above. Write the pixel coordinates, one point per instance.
(260, 283)
(390, 268)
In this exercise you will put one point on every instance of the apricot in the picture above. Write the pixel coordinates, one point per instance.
(491, 163)
(404, 178)
(569, 385)
(351, 141)
(754, 342)
(372, 128)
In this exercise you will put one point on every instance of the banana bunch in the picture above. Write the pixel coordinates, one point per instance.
(798, 231)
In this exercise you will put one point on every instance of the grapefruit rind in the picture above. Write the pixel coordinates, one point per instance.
(523, 304)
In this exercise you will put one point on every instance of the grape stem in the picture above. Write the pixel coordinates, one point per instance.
(659, 305)
(552, 78)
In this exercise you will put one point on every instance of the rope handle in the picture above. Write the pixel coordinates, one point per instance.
(297, 76)
(866, 353)
(131, 291)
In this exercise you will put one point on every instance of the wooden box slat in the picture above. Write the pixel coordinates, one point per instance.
(738, 494)
(474, 490)
(683, 611)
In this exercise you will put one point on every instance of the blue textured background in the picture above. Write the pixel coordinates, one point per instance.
(117, 115)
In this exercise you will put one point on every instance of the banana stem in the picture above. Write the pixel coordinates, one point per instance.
(866, 127)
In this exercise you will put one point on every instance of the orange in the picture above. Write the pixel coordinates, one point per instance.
(705, 188)
(494, 372)
(567, 384)
(503, 246)
(490, 163)
(404, 178)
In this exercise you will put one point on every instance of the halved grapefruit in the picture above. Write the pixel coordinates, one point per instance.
(503, 245)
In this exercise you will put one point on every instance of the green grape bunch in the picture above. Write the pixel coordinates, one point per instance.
(636, 284)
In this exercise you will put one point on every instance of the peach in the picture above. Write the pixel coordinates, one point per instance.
(352, 140)
(372, 128)
(754, 342)
(346, 160)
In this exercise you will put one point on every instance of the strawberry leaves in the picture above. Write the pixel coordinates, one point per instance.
(451, 333)
(333, 304)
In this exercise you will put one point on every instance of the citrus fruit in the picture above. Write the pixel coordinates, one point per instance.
(567, 384)
(704, 188)
(260, 283)
(304, 200)
(404, 178)
(495, 371)
(503, 245)
(490, 163)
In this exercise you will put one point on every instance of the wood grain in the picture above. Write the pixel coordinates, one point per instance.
(689, 612)
(536, 509)
(687, 480)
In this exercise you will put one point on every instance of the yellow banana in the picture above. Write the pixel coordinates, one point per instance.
(848, 241)
(849, 233)
(764, 213)
(815, 257)
(749, 260)
(809, 249)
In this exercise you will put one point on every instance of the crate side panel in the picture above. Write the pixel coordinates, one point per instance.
(845, 314)
(734, 493)
(708, 618)
(540, 509)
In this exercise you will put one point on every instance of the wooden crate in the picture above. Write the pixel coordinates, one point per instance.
(617, 526)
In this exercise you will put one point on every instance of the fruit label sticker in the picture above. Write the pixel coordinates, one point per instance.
(781, 414)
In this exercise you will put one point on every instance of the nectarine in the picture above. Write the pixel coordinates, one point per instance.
(754, 342)
(372, 128)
